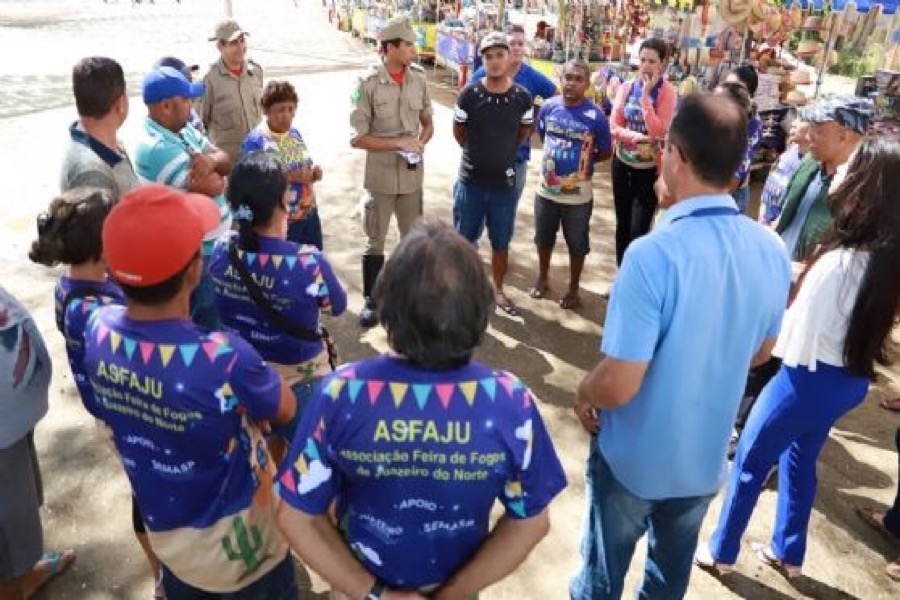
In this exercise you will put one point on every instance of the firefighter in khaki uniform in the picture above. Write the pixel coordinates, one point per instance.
(392, 121)
(230, 108)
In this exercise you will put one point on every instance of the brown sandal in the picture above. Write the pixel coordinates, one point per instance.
(891, 404)
(875, 519)
(893, 570)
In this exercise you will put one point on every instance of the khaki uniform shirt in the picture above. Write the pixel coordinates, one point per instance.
(384, 109)
(230, 107)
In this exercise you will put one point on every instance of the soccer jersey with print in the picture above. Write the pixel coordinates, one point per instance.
(416, 459)
(181, 402)
(574, 138)
(292, 152)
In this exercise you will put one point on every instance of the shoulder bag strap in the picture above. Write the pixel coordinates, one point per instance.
(276, 318)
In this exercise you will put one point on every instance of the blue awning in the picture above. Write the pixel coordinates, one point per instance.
(890, 6)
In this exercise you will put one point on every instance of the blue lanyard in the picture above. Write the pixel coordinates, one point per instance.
(710, 211)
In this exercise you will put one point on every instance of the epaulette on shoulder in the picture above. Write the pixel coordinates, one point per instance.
(368, 73)
(417, 67)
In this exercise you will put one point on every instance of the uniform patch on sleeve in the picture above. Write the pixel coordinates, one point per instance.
(356, 94)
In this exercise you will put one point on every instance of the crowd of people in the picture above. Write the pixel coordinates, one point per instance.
(195, 282)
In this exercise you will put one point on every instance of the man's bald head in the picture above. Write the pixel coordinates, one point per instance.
(710, 133)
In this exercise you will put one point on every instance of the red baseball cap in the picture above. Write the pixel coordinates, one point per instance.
(153, 233)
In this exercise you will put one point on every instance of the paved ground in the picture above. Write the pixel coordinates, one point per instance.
(87, 497)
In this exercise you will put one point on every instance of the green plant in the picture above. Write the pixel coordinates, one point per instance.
(853, 64)
(243, 548)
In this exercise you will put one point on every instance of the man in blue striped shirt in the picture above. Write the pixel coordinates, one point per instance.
(172, 152)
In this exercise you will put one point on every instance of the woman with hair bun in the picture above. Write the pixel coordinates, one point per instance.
(70, 233)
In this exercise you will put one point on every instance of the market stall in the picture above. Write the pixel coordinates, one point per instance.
(455, 48)
(368, 18)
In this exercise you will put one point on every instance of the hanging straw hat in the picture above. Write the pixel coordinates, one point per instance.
(734, 11)
(759, 9)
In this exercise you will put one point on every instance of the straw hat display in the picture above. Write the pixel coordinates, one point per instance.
(808, 47)
(734, 11)
(801, 77)
(795, 97)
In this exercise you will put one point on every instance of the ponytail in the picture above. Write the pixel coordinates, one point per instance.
(255, 188)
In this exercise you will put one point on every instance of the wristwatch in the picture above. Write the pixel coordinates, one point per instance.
(376, 591)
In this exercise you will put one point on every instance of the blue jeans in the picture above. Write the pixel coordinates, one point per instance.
(278, 584)
(203, 301)
(474, 207)
(788, 425)
(303, 392)
(616, 520)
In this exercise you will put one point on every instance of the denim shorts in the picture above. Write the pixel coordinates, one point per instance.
(203, 301)
(474, 207)
(575, 220)
(306, 231)
(278, 584)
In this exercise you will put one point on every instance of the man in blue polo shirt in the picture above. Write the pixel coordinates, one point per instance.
(695, 303)
(172, 152)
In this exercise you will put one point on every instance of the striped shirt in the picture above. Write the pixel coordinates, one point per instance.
(165, 157)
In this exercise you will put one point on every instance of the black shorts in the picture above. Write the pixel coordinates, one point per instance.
(575, 220)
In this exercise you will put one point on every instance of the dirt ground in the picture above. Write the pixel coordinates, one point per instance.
(87, 499)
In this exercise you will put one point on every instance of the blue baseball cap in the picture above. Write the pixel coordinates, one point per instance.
(165, 82)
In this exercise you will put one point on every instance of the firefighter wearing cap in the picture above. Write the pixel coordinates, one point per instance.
(231, 106)
(392, 121)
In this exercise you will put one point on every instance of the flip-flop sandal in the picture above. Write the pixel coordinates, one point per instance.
(703, 559)
(893, 570)
(765, 555)
(892, 405)
(506, 305)
(58, 562)
(569, 303)
(159, 590)
(509, 308)
(868, 517)
(539, 291)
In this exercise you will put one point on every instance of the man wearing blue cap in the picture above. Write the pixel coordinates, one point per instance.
(172, 152)
(188, 72)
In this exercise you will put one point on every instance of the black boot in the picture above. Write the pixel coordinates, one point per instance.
(371, 266)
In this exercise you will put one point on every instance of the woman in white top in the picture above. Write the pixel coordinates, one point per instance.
(835, 331)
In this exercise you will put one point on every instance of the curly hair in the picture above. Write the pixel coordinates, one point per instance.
(658, 45)
(70, 230)
(278, 91)
(434, 297)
